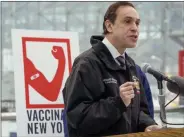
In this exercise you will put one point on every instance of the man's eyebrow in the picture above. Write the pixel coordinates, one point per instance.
(137, 19)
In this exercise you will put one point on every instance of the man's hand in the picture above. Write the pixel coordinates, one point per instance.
(127, 92)
(152, 128)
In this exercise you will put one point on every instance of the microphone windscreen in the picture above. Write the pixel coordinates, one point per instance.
(144, 67)
(174, 88)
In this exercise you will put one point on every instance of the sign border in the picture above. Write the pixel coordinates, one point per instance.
(38, 39)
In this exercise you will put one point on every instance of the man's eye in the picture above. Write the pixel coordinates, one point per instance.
(127, 21)
(137, 23)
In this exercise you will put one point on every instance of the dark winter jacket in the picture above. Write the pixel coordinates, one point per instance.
(91, 96)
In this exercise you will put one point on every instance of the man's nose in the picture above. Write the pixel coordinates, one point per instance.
(134, 27)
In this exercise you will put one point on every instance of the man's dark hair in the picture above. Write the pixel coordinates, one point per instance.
(111, 13)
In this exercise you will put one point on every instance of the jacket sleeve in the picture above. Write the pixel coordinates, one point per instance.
(86, 110)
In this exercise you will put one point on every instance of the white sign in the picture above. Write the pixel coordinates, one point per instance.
(42, 63)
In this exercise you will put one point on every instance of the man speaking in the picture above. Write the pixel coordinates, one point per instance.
(103, 94)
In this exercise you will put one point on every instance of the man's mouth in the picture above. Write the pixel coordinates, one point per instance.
(134, 37)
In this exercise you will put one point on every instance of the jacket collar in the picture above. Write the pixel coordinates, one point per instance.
(103, 53)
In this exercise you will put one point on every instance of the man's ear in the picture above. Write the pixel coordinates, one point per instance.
(108, 25)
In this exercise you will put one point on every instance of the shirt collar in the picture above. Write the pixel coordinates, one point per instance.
(114, 52)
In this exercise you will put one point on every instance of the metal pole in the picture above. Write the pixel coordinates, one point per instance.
(161, 98)
(164, 32)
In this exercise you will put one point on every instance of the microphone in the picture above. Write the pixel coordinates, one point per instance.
(146, 68)
(175, 88)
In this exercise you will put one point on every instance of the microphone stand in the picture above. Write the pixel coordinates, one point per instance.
(161, 98)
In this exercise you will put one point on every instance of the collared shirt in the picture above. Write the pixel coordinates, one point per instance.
(114, 52)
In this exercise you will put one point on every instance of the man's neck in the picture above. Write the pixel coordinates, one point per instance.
(114, 43)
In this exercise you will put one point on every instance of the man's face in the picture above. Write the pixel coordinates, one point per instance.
(125, 30)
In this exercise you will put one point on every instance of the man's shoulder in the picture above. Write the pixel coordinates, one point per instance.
(86, 57)
(85, 63)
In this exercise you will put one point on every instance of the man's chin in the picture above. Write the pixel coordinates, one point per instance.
(131, 46)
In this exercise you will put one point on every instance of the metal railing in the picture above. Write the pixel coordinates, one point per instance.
(7, 106)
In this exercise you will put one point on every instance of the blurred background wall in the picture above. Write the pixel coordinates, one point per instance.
(161, 38)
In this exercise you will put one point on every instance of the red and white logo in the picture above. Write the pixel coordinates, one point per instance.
(46, 62)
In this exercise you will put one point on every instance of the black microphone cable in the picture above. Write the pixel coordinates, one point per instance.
(179, 90)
